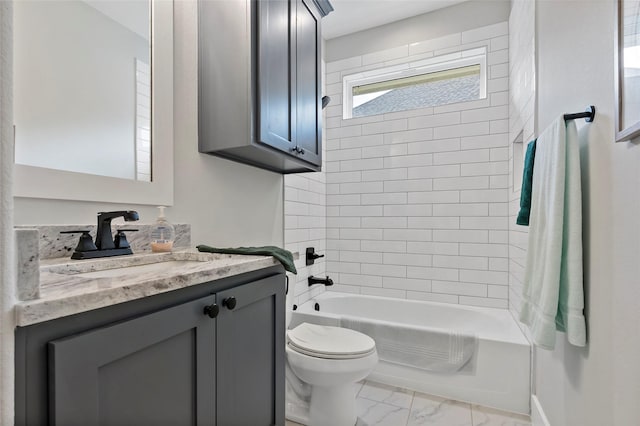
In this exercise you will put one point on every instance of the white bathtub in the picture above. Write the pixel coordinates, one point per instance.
(500, 376)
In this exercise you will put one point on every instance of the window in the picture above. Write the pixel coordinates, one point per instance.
(452, 78)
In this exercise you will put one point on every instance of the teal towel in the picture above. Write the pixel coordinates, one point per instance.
(527, 184)
(284, 256)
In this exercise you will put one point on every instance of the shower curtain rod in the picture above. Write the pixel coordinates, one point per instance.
(588, 115)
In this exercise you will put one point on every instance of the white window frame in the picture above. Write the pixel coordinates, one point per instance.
(464, 58)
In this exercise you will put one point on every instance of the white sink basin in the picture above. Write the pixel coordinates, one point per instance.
(152, 268)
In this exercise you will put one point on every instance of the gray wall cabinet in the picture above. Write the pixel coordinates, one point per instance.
(170, 359)
(259, 82)
(308, 83)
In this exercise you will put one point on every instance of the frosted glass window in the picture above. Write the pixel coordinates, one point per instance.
(424, 90)
(453, 78)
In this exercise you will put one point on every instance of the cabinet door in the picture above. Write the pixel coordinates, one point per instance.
(276, 74)
(157, 369)
(308, 90)
(250, 342)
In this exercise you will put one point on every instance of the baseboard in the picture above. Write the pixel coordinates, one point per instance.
(538, 418)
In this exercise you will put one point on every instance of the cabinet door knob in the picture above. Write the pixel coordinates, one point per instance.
(212, 310)
(229, 302)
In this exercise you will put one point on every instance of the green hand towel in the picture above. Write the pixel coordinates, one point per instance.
(284, 256)
(527, 184)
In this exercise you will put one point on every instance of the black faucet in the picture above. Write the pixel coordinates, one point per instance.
(104, 237)
(313, 280)
(105, 245)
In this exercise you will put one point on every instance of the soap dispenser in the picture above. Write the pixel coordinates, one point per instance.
(162, 234)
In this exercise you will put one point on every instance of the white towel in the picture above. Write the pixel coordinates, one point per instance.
(553, 287)
(443, 351)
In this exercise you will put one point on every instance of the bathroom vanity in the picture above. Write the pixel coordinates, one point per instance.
(179, 338)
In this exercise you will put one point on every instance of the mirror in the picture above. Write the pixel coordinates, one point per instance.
(88, 124)
(627, 70)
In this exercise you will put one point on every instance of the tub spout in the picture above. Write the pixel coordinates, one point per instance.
(326, 281)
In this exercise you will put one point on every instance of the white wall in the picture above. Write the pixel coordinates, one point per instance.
(600, 384)
(227, 203)
(74, 88)
(417, 200)
(457, 18)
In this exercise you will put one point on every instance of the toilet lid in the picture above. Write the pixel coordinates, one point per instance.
(329, 342)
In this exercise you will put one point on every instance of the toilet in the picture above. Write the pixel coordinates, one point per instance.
(323, 365)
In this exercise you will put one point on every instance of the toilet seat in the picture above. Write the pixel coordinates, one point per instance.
(329, 342)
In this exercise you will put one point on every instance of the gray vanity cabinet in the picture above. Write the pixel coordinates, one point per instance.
(158, 367)
(249, 342)
(164, 360)
(259, 82)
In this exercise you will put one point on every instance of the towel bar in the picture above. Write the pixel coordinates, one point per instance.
(588, 115)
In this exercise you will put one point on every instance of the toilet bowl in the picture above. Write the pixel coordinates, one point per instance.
(330, 360)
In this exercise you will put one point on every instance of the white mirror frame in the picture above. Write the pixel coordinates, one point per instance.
(40, 182)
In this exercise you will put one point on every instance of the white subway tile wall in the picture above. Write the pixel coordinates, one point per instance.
(418, 201)
(522, 98)
(305, 226)
(143, 120)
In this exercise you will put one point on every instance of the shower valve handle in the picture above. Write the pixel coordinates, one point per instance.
(311, 256)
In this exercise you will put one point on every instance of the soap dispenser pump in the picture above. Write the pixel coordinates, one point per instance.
(162, 234)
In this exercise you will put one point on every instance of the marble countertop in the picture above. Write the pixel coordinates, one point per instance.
(70, 287)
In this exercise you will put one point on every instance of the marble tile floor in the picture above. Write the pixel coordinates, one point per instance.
(382, 405)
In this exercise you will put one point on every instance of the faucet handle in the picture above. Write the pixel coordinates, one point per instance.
(85, 243)
(121, 238)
